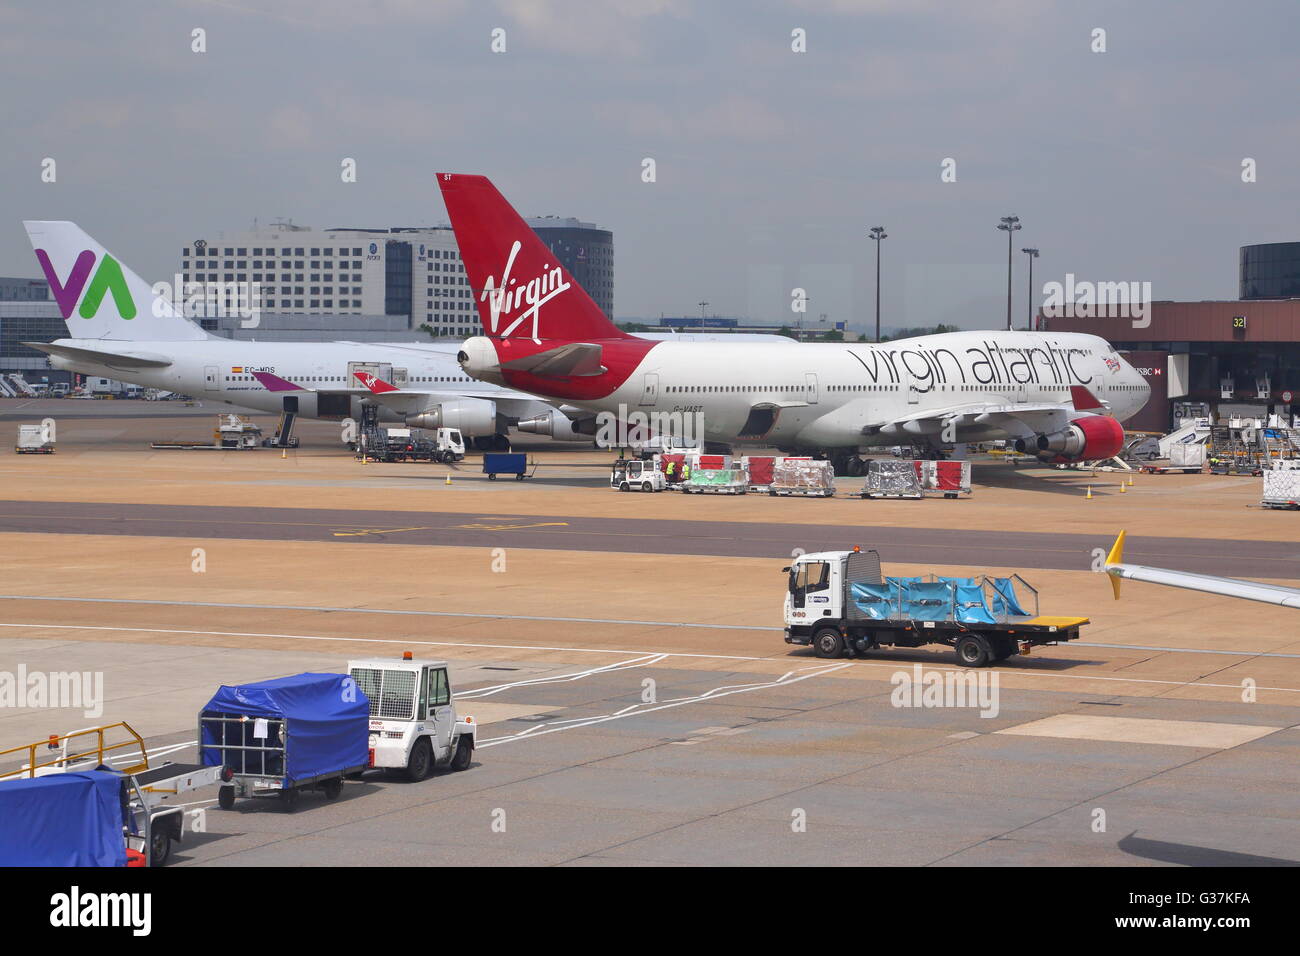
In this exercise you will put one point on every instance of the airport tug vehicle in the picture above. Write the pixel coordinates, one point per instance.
(413, 721)
(633, 474)
(838, 602)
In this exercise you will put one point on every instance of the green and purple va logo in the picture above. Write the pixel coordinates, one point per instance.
(108, 278)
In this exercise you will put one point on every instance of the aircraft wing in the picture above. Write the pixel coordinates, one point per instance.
(1117, 570)
(409, 401)
(116, 357)
(1017, 419)
(574, 359)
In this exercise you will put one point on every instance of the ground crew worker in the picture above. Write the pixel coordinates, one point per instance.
(686, 471)
(672, 472)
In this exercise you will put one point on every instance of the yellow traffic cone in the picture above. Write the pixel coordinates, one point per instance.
(1130, 481)
(1122, 487)
(284, 453)
(1089, 495)
(448, 477)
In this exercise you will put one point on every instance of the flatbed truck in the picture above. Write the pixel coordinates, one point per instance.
(838, 603)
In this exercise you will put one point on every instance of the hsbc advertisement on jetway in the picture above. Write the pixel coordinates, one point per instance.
(1154, 369)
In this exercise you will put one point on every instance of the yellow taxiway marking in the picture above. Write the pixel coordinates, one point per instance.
(1140, 730)
(511, 527)
(353, 534)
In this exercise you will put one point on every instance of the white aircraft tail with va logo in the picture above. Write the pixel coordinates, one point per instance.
(98, 296)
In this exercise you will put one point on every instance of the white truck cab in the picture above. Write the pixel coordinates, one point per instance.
(413, 722)
(450, 444)
(816, 588)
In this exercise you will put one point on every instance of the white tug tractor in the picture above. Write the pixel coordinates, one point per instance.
(633, 474)
(413, 721)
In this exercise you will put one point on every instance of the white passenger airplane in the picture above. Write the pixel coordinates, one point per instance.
(121, 330)
(1209, 583)
(1058, 396)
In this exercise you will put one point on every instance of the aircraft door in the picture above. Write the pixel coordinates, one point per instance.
(211, 378)
(811, 387)
(650, 389)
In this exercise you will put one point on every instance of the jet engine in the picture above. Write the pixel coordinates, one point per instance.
(473, 416)
(559, 426)
(1090, 438)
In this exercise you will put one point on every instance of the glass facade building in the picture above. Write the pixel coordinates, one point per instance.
(1270, 270)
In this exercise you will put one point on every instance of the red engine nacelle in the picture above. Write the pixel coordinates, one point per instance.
(1088, 438)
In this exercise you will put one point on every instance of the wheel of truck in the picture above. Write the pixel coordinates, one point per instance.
(973, 650)
(417, 765)
(332, 788)
(646, 486)
(492, 477)
(160, 844)
(226, 797)
(463, 755)
(625, 487)
(289, 799)
(1003, 647)
(828, 642)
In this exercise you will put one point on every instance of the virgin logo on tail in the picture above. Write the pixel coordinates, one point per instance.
(510, 295)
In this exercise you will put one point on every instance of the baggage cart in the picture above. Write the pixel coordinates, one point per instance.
(281, 737)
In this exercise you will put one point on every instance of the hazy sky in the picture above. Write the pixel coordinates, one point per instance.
(771, 164)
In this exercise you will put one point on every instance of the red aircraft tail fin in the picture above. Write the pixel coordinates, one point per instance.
(519, 286)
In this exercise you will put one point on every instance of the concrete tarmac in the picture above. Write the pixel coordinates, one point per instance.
(636, 702)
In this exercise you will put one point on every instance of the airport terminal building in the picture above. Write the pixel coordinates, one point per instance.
(1238, 357)
(412, 277)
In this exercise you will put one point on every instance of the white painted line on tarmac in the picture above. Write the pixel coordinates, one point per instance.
(382, 610)
(789, 677)
(481, 615)
(893, 666)
(644, 661)
(370, 640)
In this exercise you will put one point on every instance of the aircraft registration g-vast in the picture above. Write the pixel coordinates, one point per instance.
(1058, 396)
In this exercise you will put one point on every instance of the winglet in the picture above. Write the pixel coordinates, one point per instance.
(274, 383)
(1083, 399)
(1116, 556)
(376, 384)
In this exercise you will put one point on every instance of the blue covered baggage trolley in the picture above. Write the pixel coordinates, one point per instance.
(506, 463)
(63, 819)
(280, 737)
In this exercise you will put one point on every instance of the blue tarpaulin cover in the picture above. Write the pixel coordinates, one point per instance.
(971, 608)
(1004, 598)
(904, 582)
(928, 601)
(876, 601)
(327, 717)
(62, 819)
